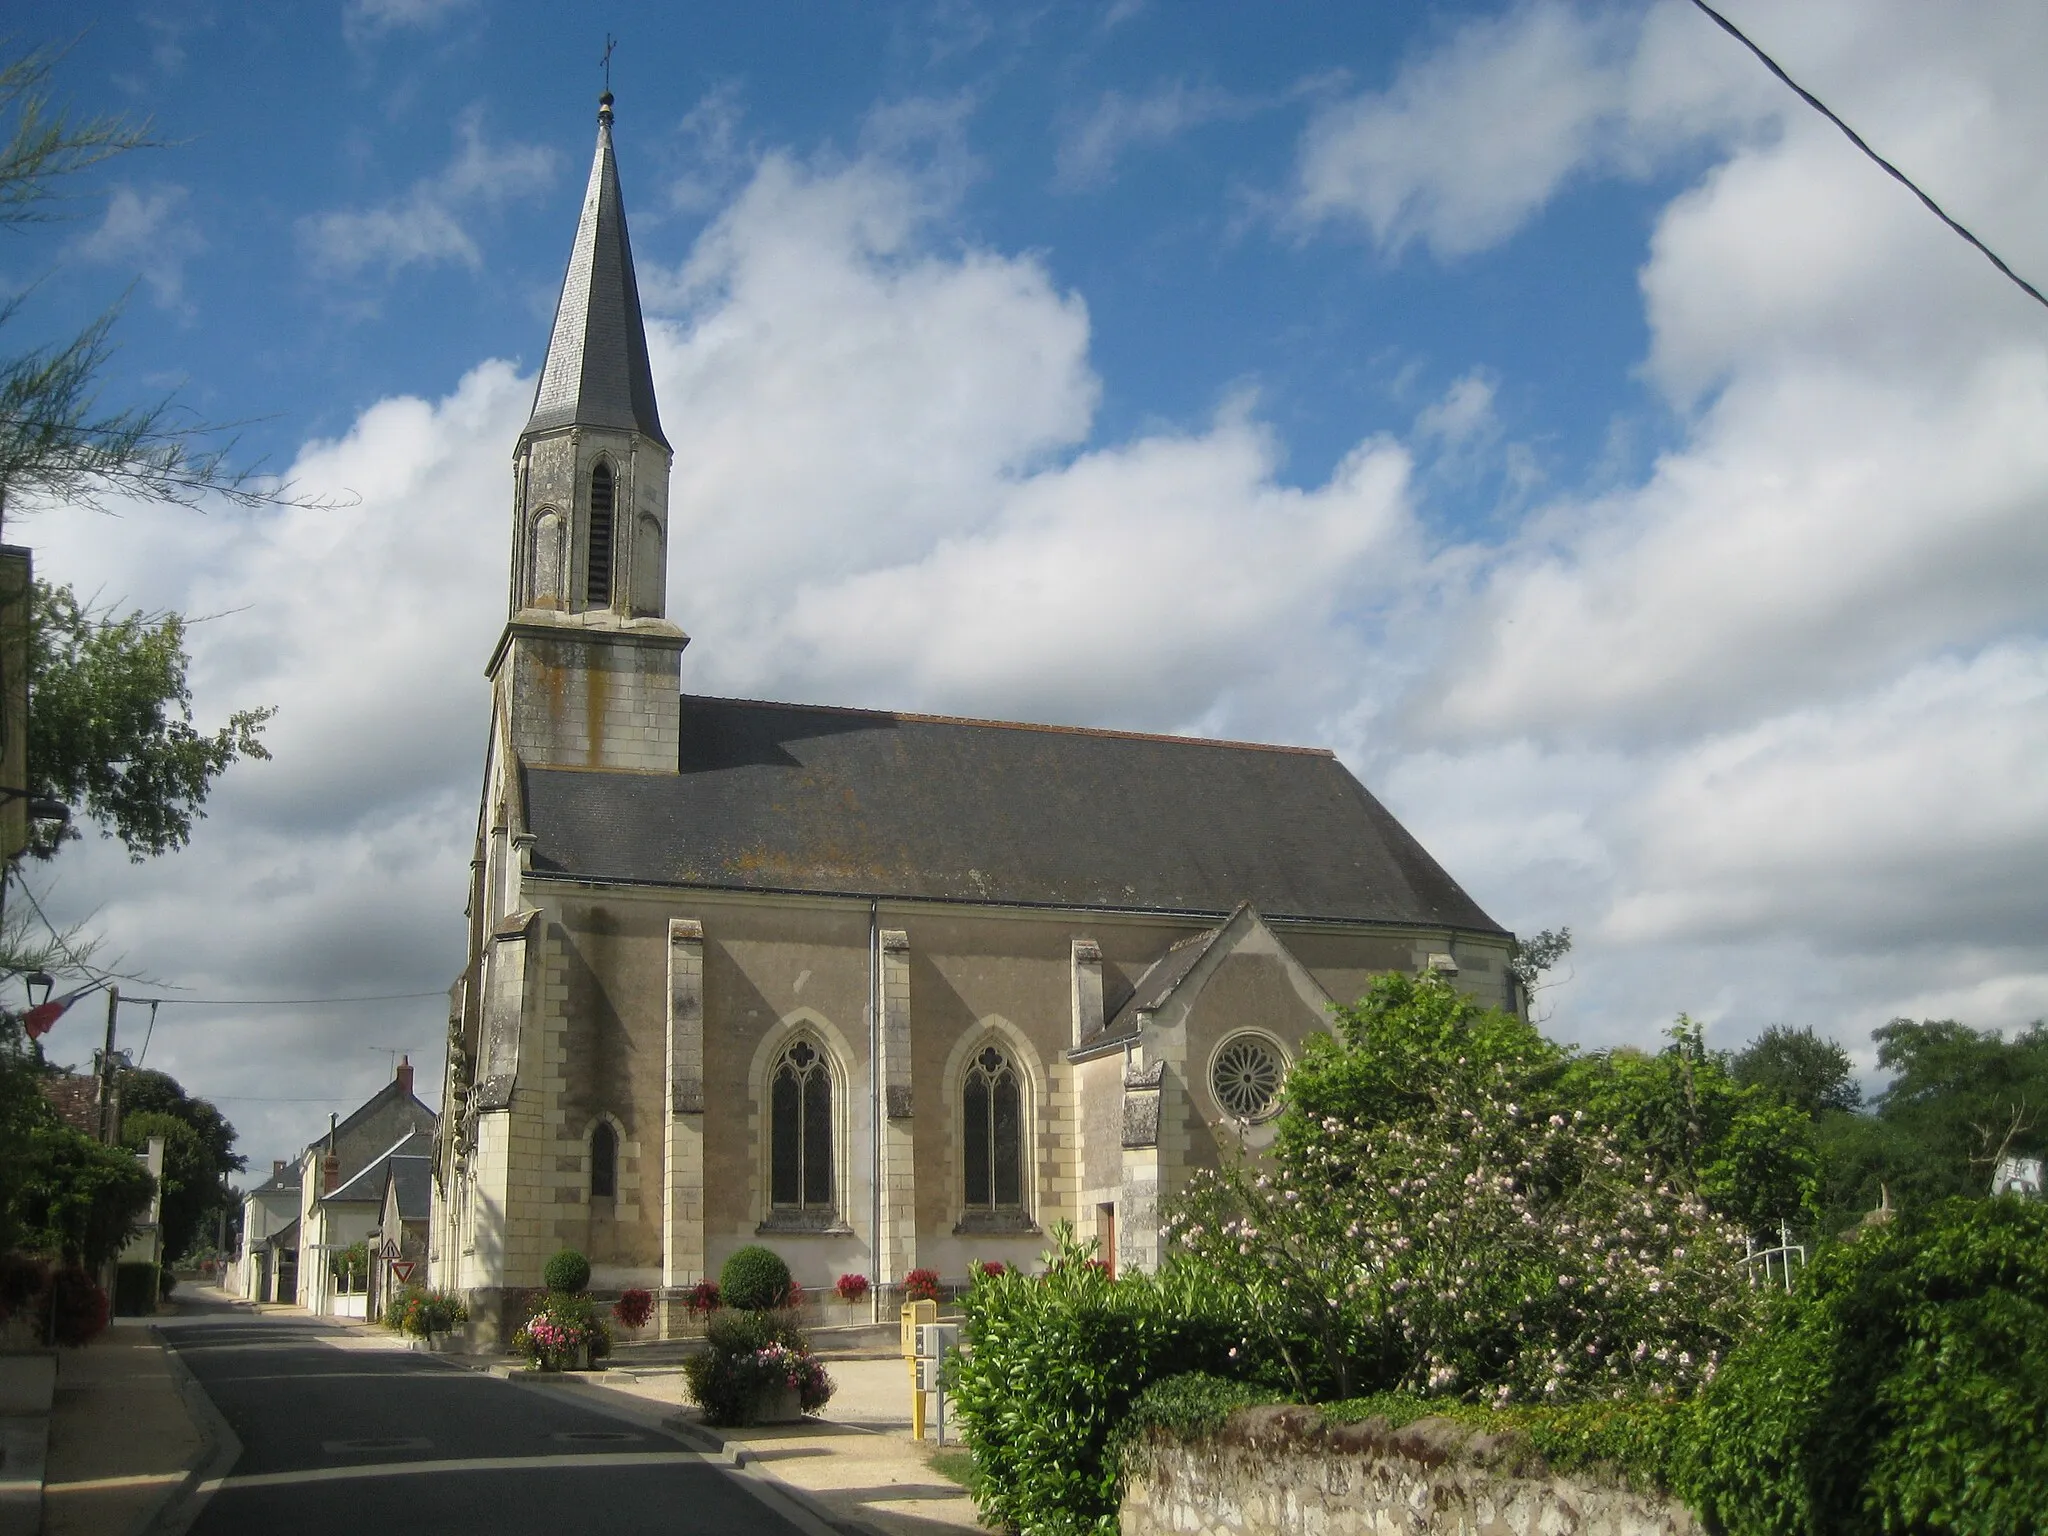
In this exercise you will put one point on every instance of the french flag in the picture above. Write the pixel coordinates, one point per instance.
(37, 1020)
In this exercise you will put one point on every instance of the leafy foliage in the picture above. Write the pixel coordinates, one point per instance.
(1799, 1069)
(110, 725)
(1478, 1249)
(78, 1307)
(754, 1279)
(568, 1272)
(74, 1197)
(1902, 1389)
(422, 1313)
(1182, 1407)
(1056, 1360)
(746, 1353)
(1752, 1158)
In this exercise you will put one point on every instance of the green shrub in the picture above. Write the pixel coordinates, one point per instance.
(1637, 1437)
(566, 1326)
(1182, 1407)
(568, 1271)
(1904, 1387)
(745, 1354)
(1056, 1361)
(754, 1279)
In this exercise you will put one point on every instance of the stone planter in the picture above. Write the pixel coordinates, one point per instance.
(778, 1404)
(437, 1344)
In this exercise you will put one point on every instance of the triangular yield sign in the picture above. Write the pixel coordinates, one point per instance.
(401, 1269)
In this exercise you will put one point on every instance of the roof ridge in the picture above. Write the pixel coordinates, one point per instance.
(1023, 725)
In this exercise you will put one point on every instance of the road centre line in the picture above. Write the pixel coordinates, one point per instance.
(563, 1463)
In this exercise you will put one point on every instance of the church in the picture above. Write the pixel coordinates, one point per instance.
(881, 991)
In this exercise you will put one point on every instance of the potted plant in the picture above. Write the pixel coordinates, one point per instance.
(633, 1309)
(757, 1368)
(851, 1290)
(567, 1333)
(427, 1318)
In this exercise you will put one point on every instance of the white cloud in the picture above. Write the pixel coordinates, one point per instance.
(431, 222)
(366, 20)
(151, 233)
(1091, 143)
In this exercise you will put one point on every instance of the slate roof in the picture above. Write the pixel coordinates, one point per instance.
(596, 373)
(861, 802)
(414, 1177)
(367, 1183)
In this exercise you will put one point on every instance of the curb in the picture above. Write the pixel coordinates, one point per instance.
(222, 1449)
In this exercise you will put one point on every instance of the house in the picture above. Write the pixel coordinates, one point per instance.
(267, 1270)
(398, 1247)
(328, 1198)
(882, 990)
(352, 1213)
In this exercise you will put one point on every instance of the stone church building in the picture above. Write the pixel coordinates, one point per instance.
(882, 991)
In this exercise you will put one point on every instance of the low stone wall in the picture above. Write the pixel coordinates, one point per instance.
(1271, 1471)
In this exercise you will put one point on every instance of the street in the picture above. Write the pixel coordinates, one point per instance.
(352, 1440)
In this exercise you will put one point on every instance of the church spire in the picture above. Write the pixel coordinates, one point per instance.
(596, 374)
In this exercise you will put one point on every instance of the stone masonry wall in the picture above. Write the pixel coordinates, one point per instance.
(1282, 1472)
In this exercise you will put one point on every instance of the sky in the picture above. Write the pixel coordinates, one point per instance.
(1535, 403)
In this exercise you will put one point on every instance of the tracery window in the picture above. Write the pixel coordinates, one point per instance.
(992, 1111)
(1246, 1076)
(800, 1148)
(597, 583)
(604, 1161)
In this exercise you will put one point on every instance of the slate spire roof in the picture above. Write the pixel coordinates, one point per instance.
(596, 374)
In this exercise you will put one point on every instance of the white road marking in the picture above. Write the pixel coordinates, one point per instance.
(562, 1463)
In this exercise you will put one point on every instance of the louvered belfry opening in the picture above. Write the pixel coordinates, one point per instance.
(597, 590)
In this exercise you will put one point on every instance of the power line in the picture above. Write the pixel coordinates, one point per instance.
(1856, 138)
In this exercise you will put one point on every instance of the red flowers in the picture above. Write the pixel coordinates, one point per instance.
(851, 1288)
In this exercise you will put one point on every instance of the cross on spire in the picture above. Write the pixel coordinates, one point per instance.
(610, 43)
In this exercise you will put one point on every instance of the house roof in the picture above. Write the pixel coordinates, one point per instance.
(414, 1179)
(867, 802)
(284, 1180)
(367, 1183)
(596, 373)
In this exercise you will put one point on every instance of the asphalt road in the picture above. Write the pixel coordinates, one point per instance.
(361, 1443)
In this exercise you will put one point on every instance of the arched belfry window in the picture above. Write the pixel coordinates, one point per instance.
(604, 1161)
(992, 1112)
(597, 583)
(800, 1153)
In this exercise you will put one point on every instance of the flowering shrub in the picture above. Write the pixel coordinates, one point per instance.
(633, 1308)
(990, 1268)
(421, 1313)
(1481, 1250)
(851, 1288)
(794, 1297)
(750, 1354)
(557, 1336)
(921, 1285)
(702, 1298)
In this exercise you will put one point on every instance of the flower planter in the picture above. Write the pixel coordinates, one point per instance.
(778, 1404)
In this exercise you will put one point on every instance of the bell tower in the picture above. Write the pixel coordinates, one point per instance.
(588, 671)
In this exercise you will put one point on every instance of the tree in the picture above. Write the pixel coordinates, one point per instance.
(75, 1197)
(1799, 1069)
(1753, 1159)
(1969, 1096)
(110, 726)
(198, 1154)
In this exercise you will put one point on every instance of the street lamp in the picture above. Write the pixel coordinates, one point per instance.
(39, 984)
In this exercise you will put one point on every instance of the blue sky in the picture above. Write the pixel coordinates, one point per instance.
(1531, 401)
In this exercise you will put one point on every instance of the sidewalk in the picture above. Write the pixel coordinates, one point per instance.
(121, 1441)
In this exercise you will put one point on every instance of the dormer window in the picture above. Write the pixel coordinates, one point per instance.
(597, 588)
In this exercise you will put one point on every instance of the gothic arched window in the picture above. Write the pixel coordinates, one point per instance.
(604, 1161)
(800, 1150)
(597, 580)
(992, 1105)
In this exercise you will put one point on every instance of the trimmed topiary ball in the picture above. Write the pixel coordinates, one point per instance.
(754, 1279)
(567, 1271)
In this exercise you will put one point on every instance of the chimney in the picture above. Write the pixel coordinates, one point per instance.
(277, 1167)
(330, 1165)
(405, 1074)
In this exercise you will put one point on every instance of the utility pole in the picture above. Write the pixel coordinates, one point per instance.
(108, 1129)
